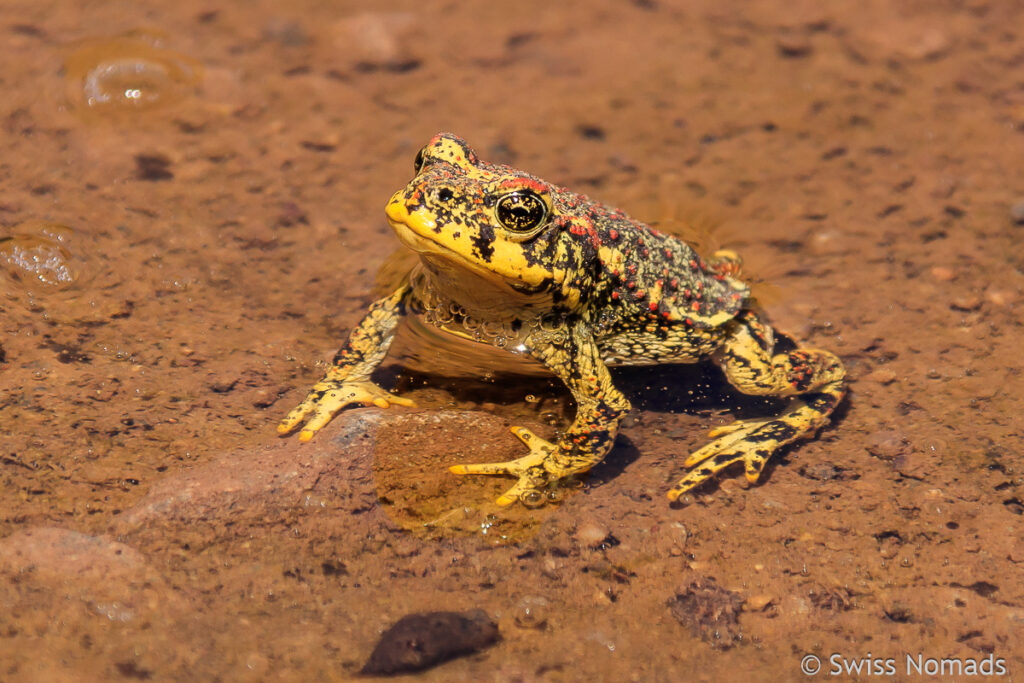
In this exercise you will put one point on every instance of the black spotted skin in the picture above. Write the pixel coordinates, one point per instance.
(511, 260)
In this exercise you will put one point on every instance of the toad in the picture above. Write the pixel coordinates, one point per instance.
(510, 260)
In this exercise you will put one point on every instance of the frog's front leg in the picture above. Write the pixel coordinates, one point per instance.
(576, 359)
(348, 380)
(747, 357)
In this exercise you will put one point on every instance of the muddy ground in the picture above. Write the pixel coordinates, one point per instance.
(192, 204)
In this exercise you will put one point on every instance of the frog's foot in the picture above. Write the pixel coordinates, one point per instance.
(328, 397)
(751, 442)
(532, 469)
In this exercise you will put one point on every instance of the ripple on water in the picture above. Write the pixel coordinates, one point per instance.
(128, 73)
(35, 257)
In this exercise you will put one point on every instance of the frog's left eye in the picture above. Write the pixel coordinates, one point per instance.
(417, 163)
(521, 211)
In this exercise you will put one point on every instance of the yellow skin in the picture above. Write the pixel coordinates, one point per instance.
(510, 260)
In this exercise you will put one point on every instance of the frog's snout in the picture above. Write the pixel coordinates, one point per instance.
(395, 208)
(401, 219)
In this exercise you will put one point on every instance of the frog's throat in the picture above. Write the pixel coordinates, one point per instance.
(436, 258)
(506, 264)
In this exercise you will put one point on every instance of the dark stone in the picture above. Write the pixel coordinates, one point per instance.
(419, 641)
(589, 132)
(794, 46)
(710, 612)
(153, 167)
(825, 471)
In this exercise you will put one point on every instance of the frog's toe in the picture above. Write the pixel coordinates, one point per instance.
(323, 414)
(294, 417)
(531, 470)
(751, 442)
(331, 396)
(532, 478)
(753, 459)
(524, 491)
(328, 406)
(392, 400)
(517, 467)
(725, 437)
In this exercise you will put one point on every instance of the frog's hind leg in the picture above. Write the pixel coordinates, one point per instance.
(813, 377)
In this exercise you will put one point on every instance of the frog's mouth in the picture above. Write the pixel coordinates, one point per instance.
(419, 232)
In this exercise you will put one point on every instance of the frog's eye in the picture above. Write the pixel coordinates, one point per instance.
(521, 211)
(417, 163)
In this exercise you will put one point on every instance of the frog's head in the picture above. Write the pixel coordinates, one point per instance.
(499, 223)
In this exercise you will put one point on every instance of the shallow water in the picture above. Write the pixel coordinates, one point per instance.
(178, 261)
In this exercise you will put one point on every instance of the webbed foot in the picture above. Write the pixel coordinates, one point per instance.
(751, 442)
(532, 470)
(328, 397)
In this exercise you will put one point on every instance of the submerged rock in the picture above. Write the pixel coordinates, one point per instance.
(710, 612)
(277, 476)
(419, 641)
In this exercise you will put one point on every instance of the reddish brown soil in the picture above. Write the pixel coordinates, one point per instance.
(219, 243)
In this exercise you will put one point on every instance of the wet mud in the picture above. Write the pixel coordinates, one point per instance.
(191, 220)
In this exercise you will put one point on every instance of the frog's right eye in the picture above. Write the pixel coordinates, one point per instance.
(417, 163)
(521, 211)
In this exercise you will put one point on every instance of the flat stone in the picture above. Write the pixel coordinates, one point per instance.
(278, 475)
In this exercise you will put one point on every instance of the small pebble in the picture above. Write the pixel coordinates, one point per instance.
(756, 603)
(1017, 212)
(710, 612)
(889, 547)
(591, 534)
(911, 465)
(882, 376)
(794, 46)
(966, 303)
(532, 612)
(1016, 554)
(377, 40)
(886, 444)
(927, 44)
(999, 297)
(943, 274)
(821, 471)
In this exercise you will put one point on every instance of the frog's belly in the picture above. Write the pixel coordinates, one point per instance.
(424, 347)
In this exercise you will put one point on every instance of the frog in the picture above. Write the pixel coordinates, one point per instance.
(530, 267)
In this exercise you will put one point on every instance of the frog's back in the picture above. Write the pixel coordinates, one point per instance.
(657, 279)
